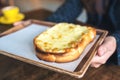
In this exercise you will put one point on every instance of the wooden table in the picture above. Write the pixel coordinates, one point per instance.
(11, 69)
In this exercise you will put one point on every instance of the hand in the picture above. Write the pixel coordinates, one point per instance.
(104, 52)
(18, 23)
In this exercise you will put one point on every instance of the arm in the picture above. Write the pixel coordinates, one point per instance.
(114, 15)
(109, 51)
(68, 12)
(117, 37)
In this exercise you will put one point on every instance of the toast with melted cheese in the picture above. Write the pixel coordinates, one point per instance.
(64, 42)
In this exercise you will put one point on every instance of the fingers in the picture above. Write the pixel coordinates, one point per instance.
(96, 65)
(108, 44)
(18, 23)
(97, 61)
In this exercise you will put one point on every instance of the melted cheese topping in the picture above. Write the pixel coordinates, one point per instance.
(60, 37)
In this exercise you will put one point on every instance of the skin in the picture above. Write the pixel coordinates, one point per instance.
(104, 52)
(18, 23)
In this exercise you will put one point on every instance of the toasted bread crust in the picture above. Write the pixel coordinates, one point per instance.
(73, 54)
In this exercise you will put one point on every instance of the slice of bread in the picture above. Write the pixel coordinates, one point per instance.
(64, 42)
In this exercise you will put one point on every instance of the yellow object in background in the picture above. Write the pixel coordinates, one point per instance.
(11, 14)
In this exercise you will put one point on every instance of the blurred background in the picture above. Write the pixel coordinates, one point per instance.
(39, 7)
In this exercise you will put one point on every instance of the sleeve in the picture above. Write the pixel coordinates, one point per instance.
(68, 12)
(117, 54)
(114, 14)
